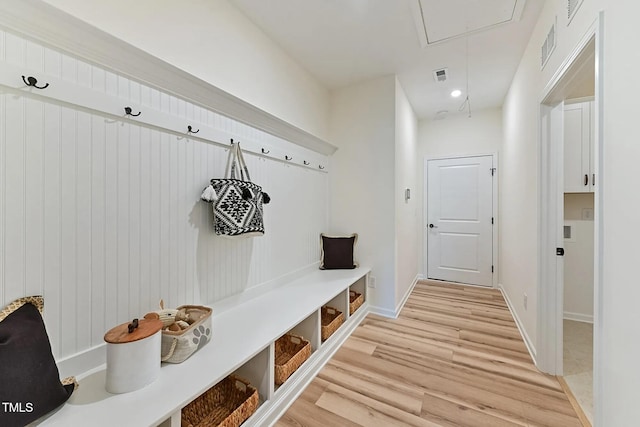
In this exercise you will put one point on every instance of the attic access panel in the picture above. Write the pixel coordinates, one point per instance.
(438, 21)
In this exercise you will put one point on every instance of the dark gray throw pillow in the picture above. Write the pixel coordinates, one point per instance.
(336, 252)
(30, 384)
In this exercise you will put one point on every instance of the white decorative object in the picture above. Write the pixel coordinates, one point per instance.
(133, 355)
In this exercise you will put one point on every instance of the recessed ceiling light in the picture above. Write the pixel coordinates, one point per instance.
(456, 93)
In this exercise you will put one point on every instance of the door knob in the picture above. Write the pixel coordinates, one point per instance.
(433, 226)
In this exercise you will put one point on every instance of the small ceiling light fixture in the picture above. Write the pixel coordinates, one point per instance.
(456, 93)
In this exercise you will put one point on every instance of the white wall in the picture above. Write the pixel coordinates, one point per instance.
(408, 212)
(618, 352)
(457, 135)
(620, 347)
(518, 200)
(102, 215)
(578, 258)
(212, 40)
(519, 177)
(578, 272)
(362, 182)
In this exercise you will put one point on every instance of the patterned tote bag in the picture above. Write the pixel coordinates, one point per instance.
(237, 202)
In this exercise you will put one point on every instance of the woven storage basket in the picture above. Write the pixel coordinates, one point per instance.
(291, 352)
(227, 404)
(355, 301)
(331, 321)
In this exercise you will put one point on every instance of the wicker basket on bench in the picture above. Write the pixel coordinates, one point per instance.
(355, 301)
(227, 404)
(291, 352)
(330, 322)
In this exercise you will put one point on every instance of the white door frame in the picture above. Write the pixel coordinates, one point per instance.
(550, 285)
(551, 267)
(425, 219)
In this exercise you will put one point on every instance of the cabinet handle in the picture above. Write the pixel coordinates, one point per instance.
(593, 179)
(586, 179)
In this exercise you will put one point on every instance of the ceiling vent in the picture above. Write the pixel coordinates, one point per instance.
(548, 46)
(441, 75)
(441, 115)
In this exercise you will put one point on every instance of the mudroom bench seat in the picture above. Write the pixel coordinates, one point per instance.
(242, 342)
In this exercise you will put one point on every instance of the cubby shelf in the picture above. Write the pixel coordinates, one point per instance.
(242, 343)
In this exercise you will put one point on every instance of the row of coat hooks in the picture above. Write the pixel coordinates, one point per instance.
(128, 111)
(289, 158)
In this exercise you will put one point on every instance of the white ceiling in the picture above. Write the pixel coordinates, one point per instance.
(342, 42)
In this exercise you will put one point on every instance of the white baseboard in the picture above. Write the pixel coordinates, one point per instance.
(578, 317)
(404, 299)
(296, 384)
(393, 314)
(523, 331)
(384, 312)
(79, 363)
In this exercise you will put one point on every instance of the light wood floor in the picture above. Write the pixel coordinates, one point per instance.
(453, 358)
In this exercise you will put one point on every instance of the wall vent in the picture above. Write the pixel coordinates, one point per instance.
(441, 75)
(572, 8)
(548, 46)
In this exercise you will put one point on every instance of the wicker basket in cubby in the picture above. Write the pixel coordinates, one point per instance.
(291, 352)
(355, 301)
(330, 322)
(227, 404)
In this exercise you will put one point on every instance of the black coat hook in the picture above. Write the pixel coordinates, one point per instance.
(320, 167)
(33, 82)
(127, 111)
(265, 151)
(288, 158)
(305, 162)
(190, 129)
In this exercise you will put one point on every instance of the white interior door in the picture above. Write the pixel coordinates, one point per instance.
(459, 220)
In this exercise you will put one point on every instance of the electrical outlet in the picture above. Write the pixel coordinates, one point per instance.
(372, 282)
(525, 301)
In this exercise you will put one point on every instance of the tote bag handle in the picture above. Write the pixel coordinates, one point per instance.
(235, 162)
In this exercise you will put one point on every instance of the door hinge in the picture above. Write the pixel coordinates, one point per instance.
(492, 268)
(493, 171)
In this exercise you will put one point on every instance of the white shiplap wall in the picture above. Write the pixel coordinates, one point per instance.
(102, 215)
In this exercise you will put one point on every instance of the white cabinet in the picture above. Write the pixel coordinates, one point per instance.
(579, 174)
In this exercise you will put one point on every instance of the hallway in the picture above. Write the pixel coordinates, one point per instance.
(454, 357)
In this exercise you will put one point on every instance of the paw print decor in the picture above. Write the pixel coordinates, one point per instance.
(178, 344)
(201, 336)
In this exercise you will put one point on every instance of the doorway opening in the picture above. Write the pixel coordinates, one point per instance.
(570, 222)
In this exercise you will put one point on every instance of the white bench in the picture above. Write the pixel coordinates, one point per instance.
(242, 342)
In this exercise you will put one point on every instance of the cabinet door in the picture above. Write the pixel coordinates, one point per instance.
(577, 177)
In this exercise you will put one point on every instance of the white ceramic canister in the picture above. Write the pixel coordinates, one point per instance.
(133, 355)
